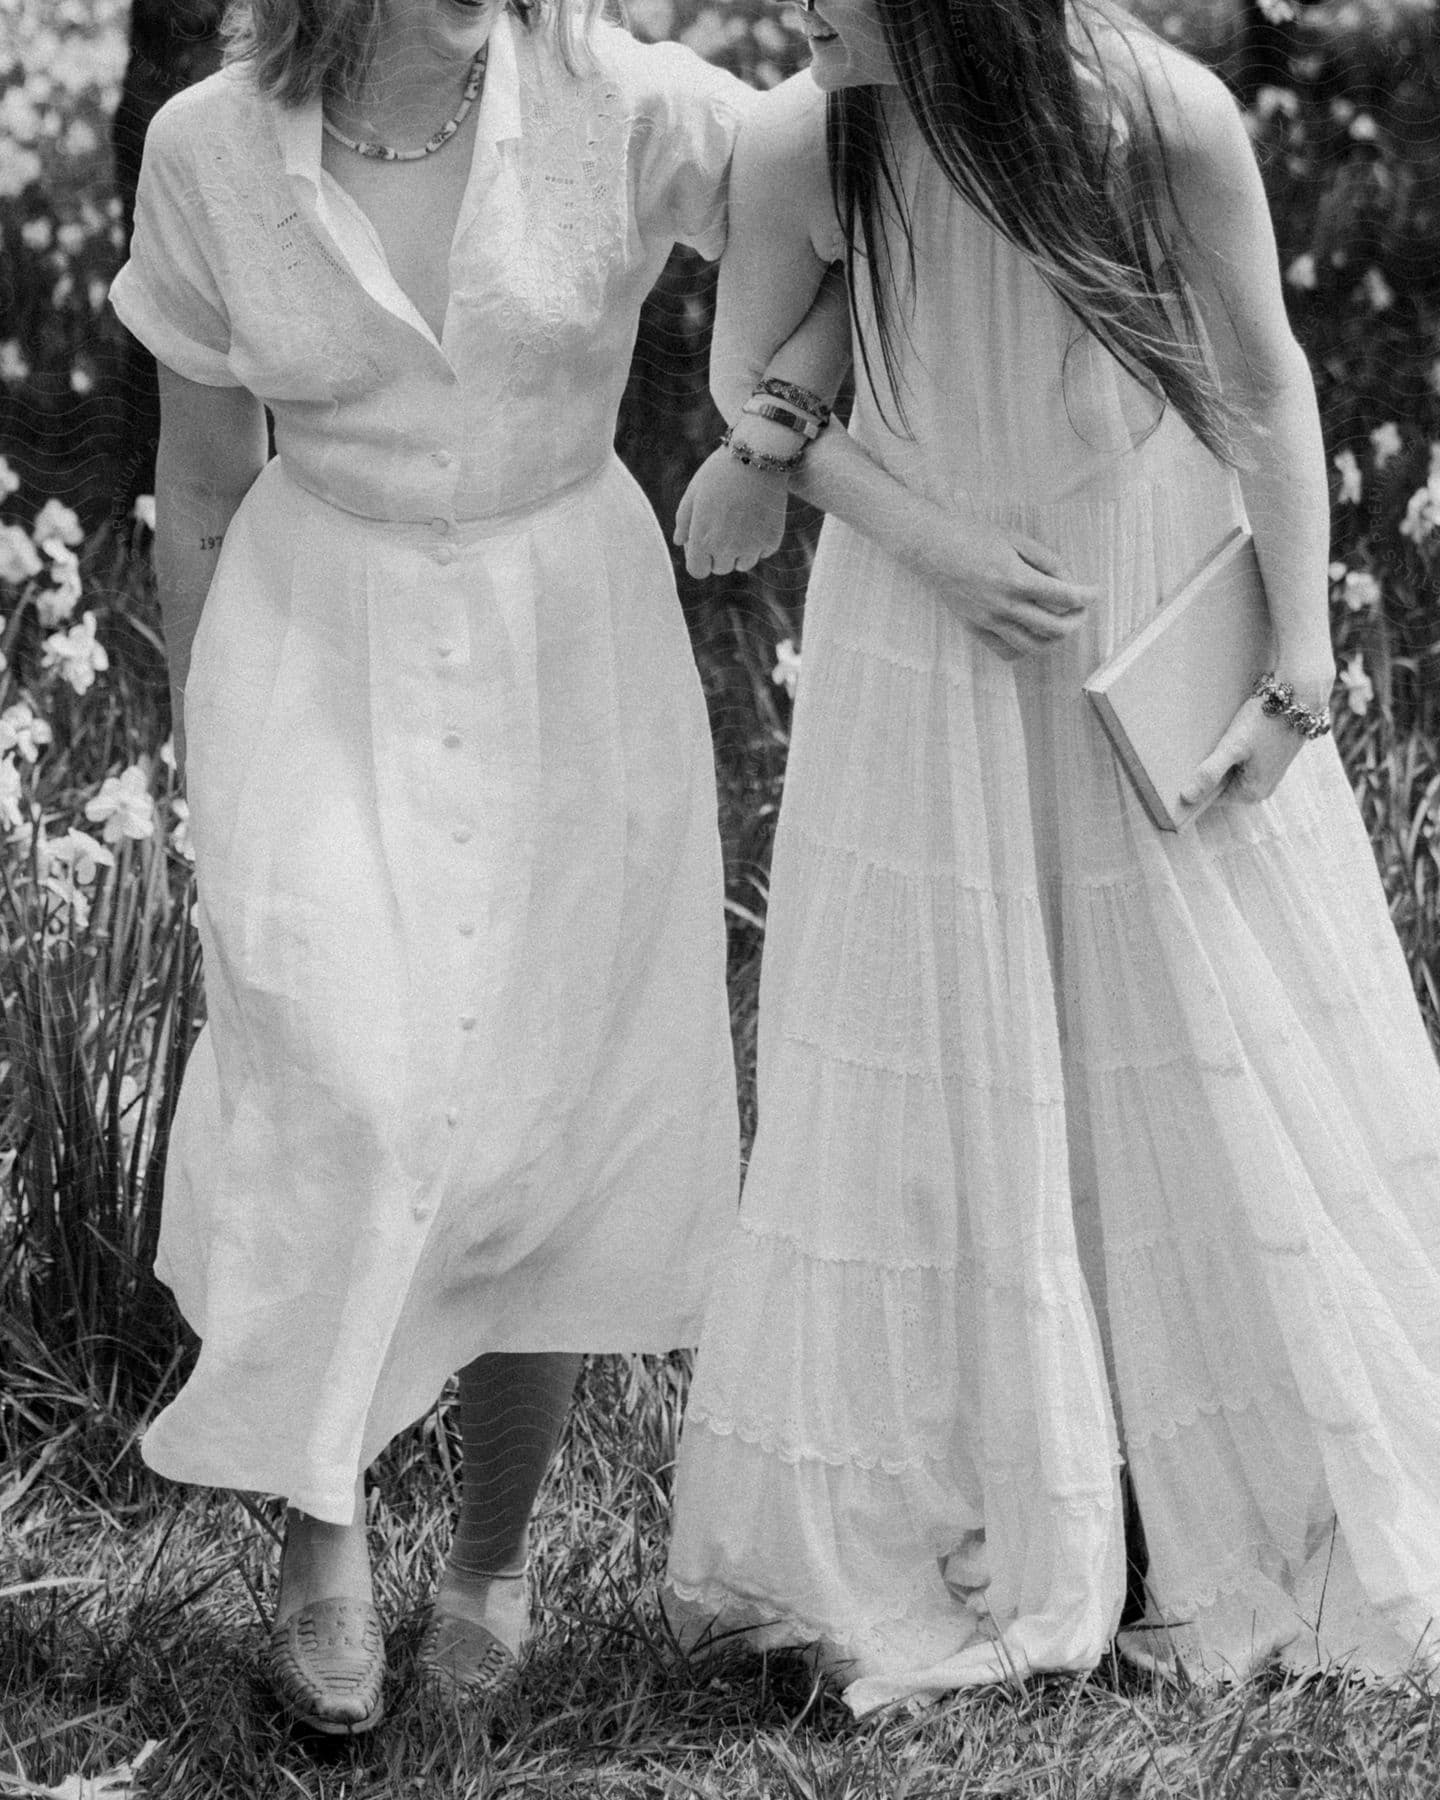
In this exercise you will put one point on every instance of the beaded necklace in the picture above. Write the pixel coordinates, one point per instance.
(384, 153)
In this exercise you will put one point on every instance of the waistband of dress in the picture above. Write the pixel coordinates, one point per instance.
(464, 531)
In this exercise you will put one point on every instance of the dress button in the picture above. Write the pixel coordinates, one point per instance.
(452, 740)
(445, 553)
(462, 834)
(444, 651)
(442, 526)
(442, 459)
(452, 1117)
(420, 1214)
(466, 928)
(468, 1021)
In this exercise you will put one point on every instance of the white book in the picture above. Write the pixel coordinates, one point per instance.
(1168, 694)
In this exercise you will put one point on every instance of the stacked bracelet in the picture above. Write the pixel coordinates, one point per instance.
(782, 413)
(1277, 701)
(796, 396)
(782, 403)
(757, 459)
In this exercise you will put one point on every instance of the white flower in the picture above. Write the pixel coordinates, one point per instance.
(78, 853)
(1337, 571)
(9, 480)
(1378, 291)
(125, 805)
(58, 601)
(1361, 592)
(1359, 689)
(13, 366)
(1434, 374)
(80, 138)
(56, 520)
(1278, 12)
(1350, 482)
(11, 816)
(1385, 442)
(19, 561)
(19, 166)
(180, 832)
(81, 381)
(1364, 129)
(22, 731)
(1270, 100)
(76, 654)
(1301, 273)
(37, 234)
(786, 672)
(1422, 514)
(143, 511)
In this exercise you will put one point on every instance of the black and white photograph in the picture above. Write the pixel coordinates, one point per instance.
(720, 899)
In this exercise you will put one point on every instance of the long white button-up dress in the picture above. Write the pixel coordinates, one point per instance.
(466, 1083)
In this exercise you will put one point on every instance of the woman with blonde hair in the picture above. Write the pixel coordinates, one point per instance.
(1076, 1138)
(465, 1096)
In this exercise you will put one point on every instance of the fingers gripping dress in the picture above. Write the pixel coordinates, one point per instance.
(466, 1083)
(1042, 1089)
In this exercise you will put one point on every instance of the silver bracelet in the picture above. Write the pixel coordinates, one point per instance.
(1277, 701)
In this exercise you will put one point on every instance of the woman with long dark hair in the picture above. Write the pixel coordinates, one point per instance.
(1078, 1141)
(465, 1097)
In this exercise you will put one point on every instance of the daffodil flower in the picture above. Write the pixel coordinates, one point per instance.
(56, 520)
(786, 672)
(76, 654)
(1359, 689)
(124, 806)
(1351, 484)
(19, 559)
(22, 732)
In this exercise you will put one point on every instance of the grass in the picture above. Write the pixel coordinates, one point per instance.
(131, 1612)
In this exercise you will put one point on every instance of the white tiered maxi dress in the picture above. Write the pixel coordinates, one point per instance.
(467, 1082)
(1041, 1089)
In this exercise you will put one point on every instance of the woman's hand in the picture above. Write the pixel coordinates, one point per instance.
(730, 516)
(1009, 588)
(1255, 751)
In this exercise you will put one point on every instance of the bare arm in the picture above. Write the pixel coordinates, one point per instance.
(779, 312)
(1229, 260)
(212, 446)
(1233, 270)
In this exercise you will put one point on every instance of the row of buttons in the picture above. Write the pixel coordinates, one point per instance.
(461, 834)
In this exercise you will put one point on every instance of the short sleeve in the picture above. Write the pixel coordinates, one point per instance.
(166, 293)
(688, 115)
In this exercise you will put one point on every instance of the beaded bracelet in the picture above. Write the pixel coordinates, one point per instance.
(800, 397)
(757, 459)
(1277, 701)
(781, 413)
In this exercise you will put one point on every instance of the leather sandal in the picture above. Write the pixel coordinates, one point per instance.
(327, 1665)
(466, 1657)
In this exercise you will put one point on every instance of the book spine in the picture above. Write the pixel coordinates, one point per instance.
(1149, 795)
